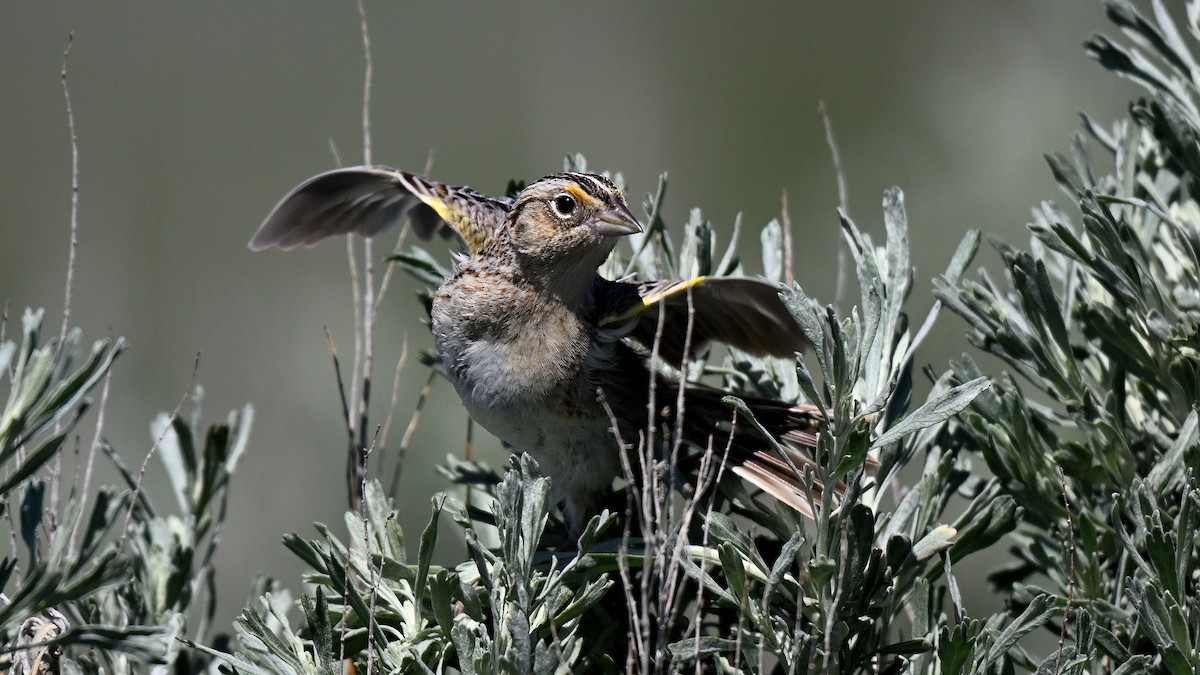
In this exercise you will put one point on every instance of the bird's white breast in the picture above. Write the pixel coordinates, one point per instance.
(533, 395)
(517, 365)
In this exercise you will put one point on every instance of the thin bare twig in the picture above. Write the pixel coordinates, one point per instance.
(402, 451)
(367, 74)
(356, 304)
(652, 521)
(346, 421)
(830, 619)
(345, 604)
(167, 428)
(680, 397)
(374, 580)
(368, 357)
(358, 459)
(789, 274)
(62, 335)
(56, 466)
(337, 374)
(87, 472)
(653, 608)
(712, 500)
(635, 634)
(384, 284)
(843, 204)
(676, 525)
(392, 264)
(337, 157)
(1062, 636)
(797, 634)
(387, 422)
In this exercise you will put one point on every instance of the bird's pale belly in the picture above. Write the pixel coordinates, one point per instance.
(539, 404)
(523, 396)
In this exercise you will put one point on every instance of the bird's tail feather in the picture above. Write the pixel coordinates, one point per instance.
(786, 470)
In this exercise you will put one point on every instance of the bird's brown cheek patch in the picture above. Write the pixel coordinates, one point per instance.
(546, 227)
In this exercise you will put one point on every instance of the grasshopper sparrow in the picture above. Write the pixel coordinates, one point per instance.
(536, 342)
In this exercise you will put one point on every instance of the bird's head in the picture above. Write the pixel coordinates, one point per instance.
(568, 220)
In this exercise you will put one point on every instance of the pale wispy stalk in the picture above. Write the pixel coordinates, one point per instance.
(366, 311)
(70, 285)
(56, 465)
(785, 217)
(368, 73)
(635, 633)
(367, 363)
(168, 428)
(391, 414)
(839, 292)
(373, 581)
(91, 457)
(347, 421)
(356, 369)
(411, 429)
(1062, 634)
(704, 540)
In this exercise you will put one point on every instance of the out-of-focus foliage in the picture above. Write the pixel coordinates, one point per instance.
(109, 590)
(1094, 428)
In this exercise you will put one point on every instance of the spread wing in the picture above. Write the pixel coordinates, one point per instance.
(741, 312)
(368, 199)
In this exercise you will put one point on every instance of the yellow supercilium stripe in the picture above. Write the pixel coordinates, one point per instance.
(580, 196)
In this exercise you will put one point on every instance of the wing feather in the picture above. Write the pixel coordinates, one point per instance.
(368, 199)
(742, 312)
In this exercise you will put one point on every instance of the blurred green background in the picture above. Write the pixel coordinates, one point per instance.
(193, 119)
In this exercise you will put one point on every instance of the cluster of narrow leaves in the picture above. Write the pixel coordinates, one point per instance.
(109, 590)
(860, 587)
(515, 609)
(1094, 429)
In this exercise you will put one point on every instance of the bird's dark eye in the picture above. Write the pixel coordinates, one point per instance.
(564, 206)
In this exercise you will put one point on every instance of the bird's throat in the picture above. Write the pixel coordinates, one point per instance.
(569, 282)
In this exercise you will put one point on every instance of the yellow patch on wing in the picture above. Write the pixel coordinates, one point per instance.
(456, 218)
(661, 294)
(439, 207)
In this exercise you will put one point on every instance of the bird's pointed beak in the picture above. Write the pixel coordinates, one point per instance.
(616, 222)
